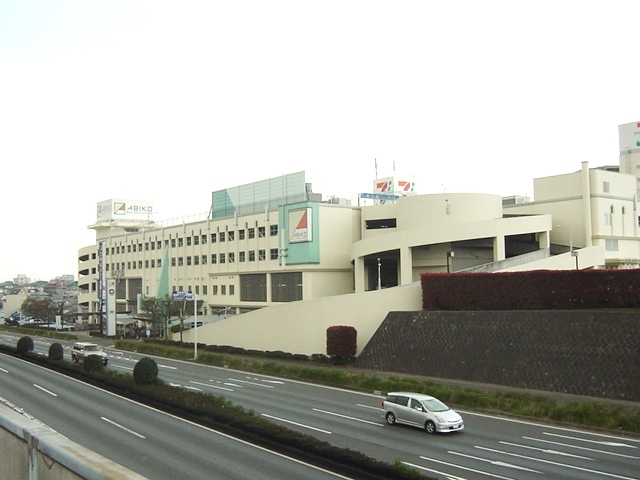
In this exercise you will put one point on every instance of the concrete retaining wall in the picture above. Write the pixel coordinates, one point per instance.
(30, 450)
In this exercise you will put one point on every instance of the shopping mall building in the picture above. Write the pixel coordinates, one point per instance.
(315, 264)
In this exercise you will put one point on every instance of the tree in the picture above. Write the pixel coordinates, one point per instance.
(25, 345)
(158, 311)
(342, 342)
(41, 309)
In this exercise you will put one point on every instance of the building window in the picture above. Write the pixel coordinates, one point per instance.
(240, 234)
(146, 264)
(153, 245)
(173, 243)
(223, 289)
(221, 236)
(188, 261)
(286, 287)
(611, 244)
(605, 187)
(153, 263)
(204, 239)
(215, 289)
(253, 287)
(262, 255)
(214, 258)
(273, 230)
(204, 289)
(232, 257)
(214, 238)
(204, 259)
(242, 256)
(128, 248)
(180, 261)
(140, 264)
(196, 260)
(607, 219)
(188, 241)
(252, 233)
(232, 290)
(222, 258)
(231, 236)
(159, 263)
(196, 240)
(252, 255)
(273, 254)
(261, 232)
(146, 247)
(173, 261)
(160, 244)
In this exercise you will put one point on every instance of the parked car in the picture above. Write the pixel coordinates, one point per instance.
(81, 350)
(422, 411)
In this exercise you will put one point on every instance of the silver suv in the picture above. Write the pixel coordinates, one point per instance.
(81, 350)
(422, 411)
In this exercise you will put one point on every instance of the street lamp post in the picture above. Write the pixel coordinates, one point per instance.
(450, 254)
(379, 277)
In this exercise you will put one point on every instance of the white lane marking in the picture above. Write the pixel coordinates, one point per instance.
(597, 472)
(122, 427)
(168, 367)
(599, 442)
(545, 450)
(568, 445)
(448, 475)
(368, 406)
(3, 370)
(377, 424)
(251, 383)
(273, 381)
(494, 475)
(211, 386)
(498, 463)
(45, 390)
(295, 423)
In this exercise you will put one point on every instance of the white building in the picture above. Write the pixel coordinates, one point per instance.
(315, 264)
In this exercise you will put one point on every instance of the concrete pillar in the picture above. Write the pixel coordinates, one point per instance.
(359, 274)
(406, 266)
(586, 205)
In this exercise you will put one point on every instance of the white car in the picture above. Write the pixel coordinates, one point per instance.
(422, 411)
(81, 350)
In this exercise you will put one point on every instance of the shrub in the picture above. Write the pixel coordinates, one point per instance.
(145, 371)
(341, 342)
(25, 344)
(92, 363)
(56, 351)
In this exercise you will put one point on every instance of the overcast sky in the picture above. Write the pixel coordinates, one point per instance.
(169, 101)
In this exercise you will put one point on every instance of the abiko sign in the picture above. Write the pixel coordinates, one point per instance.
(116, 209)
(300, 225)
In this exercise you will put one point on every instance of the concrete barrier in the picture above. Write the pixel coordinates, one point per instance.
(30, 450)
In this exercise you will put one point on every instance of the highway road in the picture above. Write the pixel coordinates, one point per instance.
(490, 447)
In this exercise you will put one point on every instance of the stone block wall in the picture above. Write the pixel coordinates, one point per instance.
(582, 352)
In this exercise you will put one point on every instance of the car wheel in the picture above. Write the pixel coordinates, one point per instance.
(391, 418)
(430, 427)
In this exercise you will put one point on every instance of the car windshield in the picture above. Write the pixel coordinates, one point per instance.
(92, 348)
(435, 405)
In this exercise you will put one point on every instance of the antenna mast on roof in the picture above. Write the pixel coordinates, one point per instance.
(376, 164)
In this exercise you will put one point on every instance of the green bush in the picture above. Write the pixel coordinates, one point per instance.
(25, 345)
(56, 351)
(92, 363)
(145, 371)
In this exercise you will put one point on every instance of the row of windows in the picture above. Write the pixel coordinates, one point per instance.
(215, 289)
(229, 236)
(199, 260)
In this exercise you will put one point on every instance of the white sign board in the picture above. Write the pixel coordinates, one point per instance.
(116, 209)
(629, 136)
